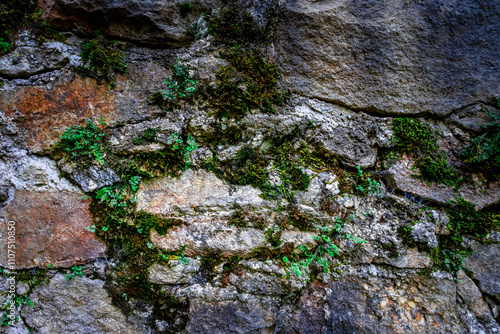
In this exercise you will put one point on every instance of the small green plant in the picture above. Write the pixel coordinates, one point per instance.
(322, 253)
(4, 45)
(90, 228)
(115, 196)
(102, 58)
(134, 183)
(76, 271)
(483, 152)
(186, 148)
(83, 144)
(415, 137)
(180, 86)
(368, 186)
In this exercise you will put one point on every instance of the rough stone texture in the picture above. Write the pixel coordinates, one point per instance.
(486, 267)
(80, 305)
(248, 316)
(400, 57)
(378, 305)
(481, 195)
(44, 112)
(211, 236)
(472, 296)
(25, 61)
(142, 22)
(195, 189)
(94, 177)
(410, 258)
(425, 232)
(175, 273)
(50, 228)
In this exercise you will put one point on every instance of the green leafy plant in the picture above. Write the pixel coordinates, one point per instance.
(102, 58)
(115, 196)
(186, 148)
(180, 86)
(90, 228)
(483, 152)
(76, 271)
(322, 254)
(83, 144)
(4, 45)
(367, 186)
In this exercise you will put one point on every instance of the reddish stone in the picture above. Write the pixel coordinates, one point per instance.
(50, 228)
(45, 113)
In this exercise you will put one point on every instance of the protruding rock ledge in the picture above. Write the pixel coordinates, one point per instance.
(481, 195)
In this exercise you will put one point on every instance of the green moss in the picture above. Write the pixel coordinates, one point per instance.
(249, 82)
(102, 59)
(145, 137)
(233, 25)
(33, 277)
(451, 251)
(404, 233)
(186, 8)
(416, 138)
(208, 264)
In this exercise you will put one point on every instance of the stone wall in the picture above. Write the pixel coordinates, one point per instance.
(151, 233)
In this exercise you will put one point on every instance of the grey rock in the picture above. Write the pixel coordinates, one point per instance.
(200, 155)
(486, 268)
(195, 189)
(399, 57)
(472, 117)
(143, 22)
(26, 61)
(480, 194)
(258, 283)
(175, 273)
(409, 258)
(93, 178)
(80, 305)
(425, 232)
(252, 316)
(210, 236)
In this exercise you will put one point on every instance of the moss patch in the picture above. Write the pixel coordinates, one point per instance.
(102, 58)
(417, 139)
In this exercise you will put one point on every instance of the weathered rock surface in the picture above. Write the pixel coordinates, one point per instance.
(200, 190)
(390, 56)
(176, 272)
(211, 236)
(142, 22)
(80, 305)
(50, 228)
(25, 61)
(44, 112)
(246, 316)
(479, 194)
(486, 267)
(94, 177)
(378, 305)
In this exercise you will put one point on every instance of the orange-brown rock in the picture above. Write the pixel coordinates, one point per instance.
(50, 228)
(46, 112)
